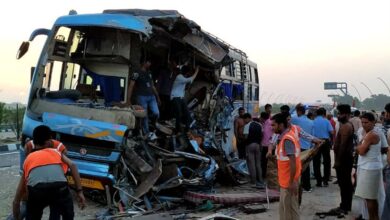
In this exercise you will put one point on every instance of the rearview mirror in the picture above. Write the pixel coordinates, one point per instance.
(22, 49)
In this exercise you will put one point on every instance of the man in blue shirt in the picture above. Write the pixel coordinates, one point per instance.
(322, 129)
(306, 124)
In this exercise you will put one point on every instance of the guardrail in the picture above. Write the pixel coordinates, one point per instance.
(8, 127)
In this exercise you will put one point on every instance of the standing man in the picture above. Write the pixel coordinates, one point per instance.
(343, 148)
(356, 121)
(268, 109)
(386, 207)
(239, 124)
(253, 134)
(177, 97)
(146, 94)
(44, 178)
(265, 121)
(323, 130)
(289, 167)
(285, 109)
(307, 125)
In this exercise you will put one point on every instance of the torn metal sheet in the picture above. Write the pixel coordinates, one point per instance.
(193, 156)
(240, 166)
(176, 26)
(149, 181)
(205, 45)
(136, 162)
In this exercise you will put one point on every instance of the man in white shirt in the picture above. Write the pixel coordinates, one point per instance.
(177, 97)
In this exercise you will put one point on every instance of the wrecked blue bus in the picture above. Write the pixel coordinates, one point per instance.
(84, 69)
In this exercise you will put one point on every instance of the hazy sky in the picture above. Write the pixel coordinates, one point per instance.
(298, 45)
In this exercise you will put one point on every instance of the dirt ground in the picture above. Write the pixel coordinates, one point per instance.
(321, 199)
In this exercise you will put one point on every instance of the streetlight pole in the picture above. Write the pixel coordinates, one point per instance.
(357, 91)
(388, 89)
(369, 90)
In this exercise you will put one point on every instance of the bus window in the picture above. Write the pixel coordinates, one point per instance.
(256, 94)
(61, 42)
(243, 71)
(237, 69)
(250, 92)
(52, 75)
(71, 75)
(78, 38)
(253, 74)
(249, 73)
(256, 76)
(228, 70)
(238, 93)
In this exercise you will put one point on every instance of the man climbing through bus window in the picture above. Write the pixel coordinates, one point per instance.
(238, 132)
(179, 105)
(289, 167)
(141, 82)
(165, 81)
(44, 178)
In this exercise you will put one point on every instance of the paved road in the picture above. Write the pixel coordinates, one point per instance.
(8, 159)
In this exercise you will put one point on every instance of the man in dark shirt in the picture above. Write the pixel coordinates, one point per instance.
(343, 148)
(253, 135)
(146, 93)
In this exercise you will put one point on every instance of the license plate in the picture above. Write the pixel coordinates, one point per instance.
(88, 183)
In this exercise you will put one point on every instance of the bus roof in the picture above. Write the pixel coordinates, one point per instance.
(121, 21)
(149, 22)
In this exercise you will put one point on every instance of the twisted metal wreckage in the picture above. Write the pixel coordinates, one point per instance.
(138, 176)
(155, 175)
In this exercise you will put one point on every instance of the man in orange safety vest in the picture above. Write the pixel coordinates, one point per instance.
(289, 167)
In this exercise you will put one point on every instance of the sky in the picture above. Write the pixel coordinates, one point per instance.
(298, 45)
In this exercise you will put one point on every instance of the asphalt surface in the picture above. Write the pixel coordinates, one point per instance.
(8, 159)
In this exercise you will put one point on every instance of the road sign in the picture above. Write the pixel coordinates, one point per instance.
(330, 85)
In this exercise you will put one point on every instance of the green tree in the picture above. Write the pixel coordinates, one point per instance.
(376, 102)
(2, 112)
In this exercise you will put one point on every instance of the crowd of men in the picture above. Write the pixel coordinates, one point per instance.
(359, 142)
